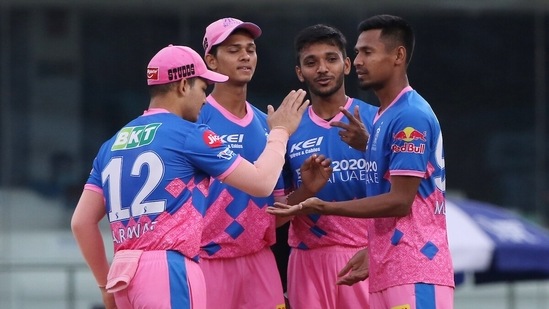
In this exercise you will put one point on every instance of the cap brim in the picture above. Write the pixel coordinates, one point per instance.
(251, 27)
(214, 77)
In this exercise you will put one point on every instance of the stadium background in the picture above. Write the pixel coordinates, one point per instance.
(72, 72)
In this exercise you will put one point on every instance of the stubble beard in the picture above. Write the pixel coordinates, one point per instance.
(327, 92)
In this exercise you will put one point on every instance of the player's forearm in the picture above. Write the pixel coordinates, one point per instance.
(379, 206)
(299, 195)
(91, 245)
(85, 228)
(260, 178)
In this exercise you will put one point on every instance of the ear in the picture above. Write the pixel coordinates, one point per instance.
(211, 62)
(400, 55)
(299, 74)
(183, 87)
(347, 65)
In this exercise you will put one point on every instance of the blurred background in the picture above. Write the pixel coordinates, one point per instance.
(72, 72)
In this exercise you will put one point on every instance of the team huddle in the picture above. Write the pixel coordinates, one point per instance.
(196, 187)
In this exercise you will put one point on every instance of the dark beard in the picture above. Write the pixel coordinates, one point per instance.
(369, 86)
(327, 92)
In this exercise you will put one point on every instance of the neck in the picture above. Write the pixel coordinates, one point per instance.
(167, 102)
(388, 93)
(231, 97)
(328, 107)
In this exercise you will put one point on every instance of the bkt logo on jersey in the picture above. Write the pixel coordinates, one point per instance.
(133, 137)
(310, 143)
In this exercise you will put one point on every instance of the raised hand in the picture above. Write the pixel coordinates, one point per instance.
(315, 172)
(357, 269)
(290, 111)
(353, 133)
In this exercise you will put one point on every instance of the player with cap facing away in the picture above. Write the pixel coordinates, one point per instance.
(151, 179)
(239, 266)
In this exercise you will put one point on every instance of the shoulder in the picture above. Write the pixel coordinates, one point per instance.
(367, 110)
(257, 111)
(364, 105)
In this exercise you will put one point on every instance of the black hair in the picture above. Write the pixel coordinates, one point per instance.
(156, 90)
(319, 33)
(393, 28)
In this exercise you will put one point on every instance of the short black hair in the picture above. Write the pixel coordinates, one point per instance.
(394, 28)
(156, 90)
(319, 33)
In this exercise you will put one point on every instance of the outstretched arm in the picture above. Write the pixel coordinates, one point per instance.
(396, 203)
(259, 178)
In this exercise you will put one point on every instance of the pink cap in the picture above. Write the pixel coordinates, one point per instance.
(173, 63)
(220, 29)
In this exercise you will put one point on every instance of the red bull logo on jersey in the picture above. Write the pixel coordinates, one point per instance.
(211, 139)
(409, 134)
(409, 148)
(133, 137)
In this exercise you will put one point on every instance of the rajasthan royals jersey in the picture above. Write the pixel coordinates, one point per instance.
(407, 141)
(236, 223)
(154, 175)
(315, 135)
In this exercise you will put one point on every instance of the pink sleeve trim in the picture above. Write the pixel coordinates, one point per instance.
(407, 173)
(93, 188)
(260, 178)
(231, 168)
(279, 192)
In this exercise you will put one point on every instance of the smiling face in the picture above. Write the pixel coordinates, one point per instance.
(236, 57)
(322, 67)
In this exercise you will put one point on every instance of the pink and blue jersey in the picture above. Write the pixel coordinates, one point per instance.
(154, 175)
(407, 141)
(236, 223)
(315, 135)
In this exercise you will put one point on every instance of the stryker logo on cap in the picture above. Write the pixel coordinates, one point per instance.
(173, 63)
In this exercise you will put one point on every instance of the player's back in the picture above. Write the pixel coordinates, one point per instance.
(154, 176)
